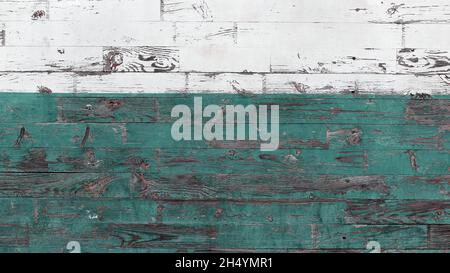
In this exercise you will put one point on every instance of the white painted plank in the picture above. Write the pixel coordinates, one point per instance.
(131, 83)
(277, 11)
(32, 82)
(354, 83)
(199, 33)
(83, 33)
(23, 10)
(224, 59)
(309, 35)
(51, 59)
(429, 36)
(326, 11)
(243, 84)
(340, 60)
(113, 11)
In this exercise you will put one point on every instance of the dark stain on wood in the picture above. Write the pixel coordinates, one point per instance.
(98, 187)
(44, 90)
(427, 111)
(422, 61)
(2, 37)
(140, 59)
(413, 159)
(35, 161)
(38, 14)
(439, 236)
(22, 134)
(87, 135)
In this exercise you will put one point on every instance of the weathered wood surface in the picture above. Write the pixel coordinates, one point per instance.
(351, 11)
(222, 59)
(300, 109)
(234, 83)
(100, 170)
(364, 125)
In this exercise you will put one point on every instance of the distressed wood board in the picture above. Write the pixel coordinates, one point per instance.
(86, 153)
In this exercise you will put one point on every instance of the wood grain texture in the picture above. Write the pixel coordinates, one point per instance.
(86, 93)
(140, 59)
(352, 11)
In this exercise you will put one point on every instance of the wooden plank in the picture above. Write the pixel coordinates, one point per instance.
(355, 84)
(352, 11)
(23, 10)
(51, 59)
(276, 11)
(335, 36)
(74, 33)
(324, 61)
(156, 108)
(84, 180)
(221, 59)
(318, 109)
(288, 213)
(226, 161)
(105, 10)
(351, 137)
(246, 84)
(109, 225)
(225, 238)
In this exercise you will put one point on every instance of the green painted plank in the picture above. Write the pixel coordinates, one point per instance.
(155, 226)
(157, 107)
(292, 136)
(226, 161)
(47, 212)
(222, 186)
(226, 237)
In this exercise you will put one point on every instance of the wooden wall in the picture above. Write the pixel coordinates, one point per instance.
(85, 149)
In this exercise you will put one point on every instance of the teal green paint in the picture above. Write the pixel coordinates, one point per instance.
(131, 188)
(292, 136)
(224, 161)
